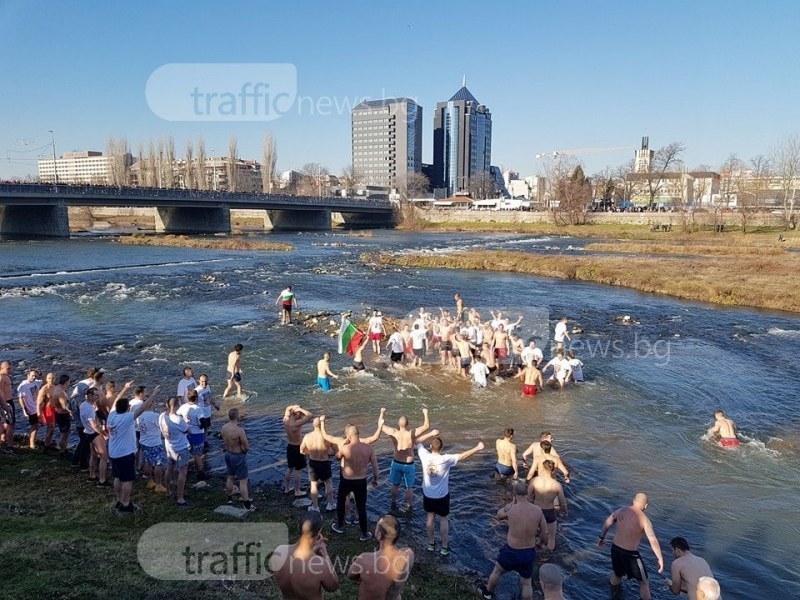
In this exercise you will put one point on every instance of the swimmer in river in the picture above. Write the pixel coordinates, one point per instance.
(324, 372)
(506, 456)
(234, 370)
(358, 357)
(531, 380)
(548, 494)
(725, 428)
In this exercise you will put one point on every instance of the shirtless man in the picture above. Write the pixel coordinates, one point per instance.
(356, 456)
(234, 370)
(535, 448)
(60, 402)
(236, 445)
(687, 569)
(464, 349)
(489, 359)
(294, 417)
(8, 414)
(459, 307)
(382, 575)
(548, 495)
(447, 333)
(403, 468)
(517, 346)
(376, 331)
(304, 569)
(319, 453)
(358, 357)
(531, 380)
(525, 522)
(708, 589)
(408, 349)
(324, 372)
(552, 582)
(631, 523)
(506, 456)
(45, 402)
(546, 454)
(500, 343)
(724, 431)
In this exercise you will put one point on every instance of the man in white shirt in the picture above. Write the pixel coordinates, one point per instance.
(419, 343)
(436, 487)
(28, 392)
(396, 345)
(376, 331)
(205, 401)
(174, 430)
(186, 385)
(561, 370)
(576, 365)
(95, 437)
(561, 333)
(479, 371)
(122, 447)
(531, 355)
(151, 447)
(192, 413)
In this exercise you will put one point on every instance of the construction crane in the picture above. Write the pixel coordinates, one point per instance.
(579, 151)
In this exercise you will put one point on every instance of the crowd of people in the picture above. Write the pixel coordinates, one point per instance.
(141, 435)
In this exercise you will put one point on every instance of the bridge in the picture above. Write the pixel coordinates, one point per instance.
(41, 210)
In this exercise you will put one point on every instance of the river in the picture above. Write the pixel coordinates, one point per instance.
(637, 423)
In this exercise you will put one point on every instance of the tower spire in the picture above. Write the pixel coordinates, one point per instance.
(464, 81)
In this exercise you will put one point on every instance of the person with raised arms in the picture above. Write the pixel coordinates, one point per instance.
(319, 454)
(403, 468)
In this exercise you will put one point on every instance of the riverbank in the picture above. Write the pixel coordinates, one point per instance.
(67, 541)
(205, 243)
(753, 280)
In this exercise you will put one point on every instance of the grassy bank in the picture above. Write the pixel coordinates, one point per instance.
(204, 243)
(731, 280)
(62, 540)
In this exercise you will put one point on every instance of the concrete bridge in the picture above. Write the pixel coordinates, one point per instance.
(40, 210)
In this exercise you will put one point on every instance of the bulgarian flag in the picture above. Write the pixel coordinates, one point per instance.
(349, 337)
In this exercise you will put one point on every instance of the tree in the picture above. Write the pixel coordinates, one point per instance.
(350, 179)
(753, 189)
(119, 167)
(231, 170)
(188, 166)
(417, 185)
(169, 162)
(314, 180)
(785, 159)
(665, 160)
(573, 192)
(609, 188)
(200, 172)
(481, 185)
(628, 185)
(270, 160)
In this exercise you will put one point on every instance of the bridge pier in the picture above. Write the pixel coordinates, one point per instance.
(298, 220)
(193, 219)
(34, 221)
(364, 220)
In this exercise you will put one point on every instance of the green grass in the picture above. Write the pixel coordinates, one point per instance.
(61, 540)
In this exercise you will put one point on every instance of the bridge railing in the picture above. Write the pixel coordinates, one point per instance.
(49, 189)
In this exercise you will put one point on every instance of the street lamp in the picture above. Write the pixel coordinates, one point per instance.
(55, 164)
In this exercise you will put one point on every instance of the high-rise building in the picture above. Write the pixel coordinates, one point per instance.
(80, 167)
(644, 157)
(462, 141)
(387, 141)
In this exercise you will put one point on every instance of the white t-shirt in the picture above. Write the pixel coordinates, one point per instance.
(204, 400)
(418, 339)
(174, 430)
(479, 372)
(28, 391)
(436, 472)
(577, 368)
(121, 434)
(561, 331)
(87, 412)
(397, 343)
(134, 404)
(376, 324)
(149, 431)
(184, 387)
(191, 413)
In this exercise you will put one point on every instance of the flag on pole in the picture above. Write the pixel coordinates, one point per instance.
(349, 337)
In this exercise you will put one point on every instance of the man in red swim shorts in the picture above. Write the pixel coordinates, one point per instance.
(531, 380)
(725, 429)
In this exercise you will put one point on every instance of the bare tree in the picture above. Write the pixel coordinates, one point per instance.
(350, 180)
(200, 163)
(785, 159)
(150, 164)
(753, 189)
(574, 193)
(417, 186)
(481, 185)
(231, 164)
(188, 166)
(665, 160)
(608, 187)
(119, 164)
(314, 180)
(169, 162)
(270, 161)
(622, 174)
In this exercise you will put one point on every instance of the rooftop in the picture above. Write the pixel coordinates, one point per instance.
(382, 103)
(464, 94)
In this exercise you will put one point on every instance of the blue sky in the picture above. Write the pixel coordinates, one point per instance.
(719, 76)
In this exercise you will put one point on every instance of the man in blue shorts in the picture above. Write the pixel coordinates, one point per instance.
(525, 522)
(403, 468)
(324, 372)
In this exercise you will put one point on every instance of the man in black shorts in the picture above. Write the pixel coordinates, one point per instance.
(397, 347)
(319, 465)
(294, 418)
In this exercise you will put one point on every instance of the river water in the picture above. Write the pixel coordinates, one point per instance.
(637, 423)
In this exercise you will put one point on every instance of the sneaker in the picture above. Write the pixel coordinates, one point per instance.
(431, 547)
(337, 528)
(151, 484)
(330, 506)
(365, 537)
(485, 592)
(130, 509)
(105, 483)
(444, 551)
(160, 489)
(184, 504)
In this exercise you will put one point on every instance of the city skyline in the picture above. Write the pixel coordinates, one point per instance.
(552, 82)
